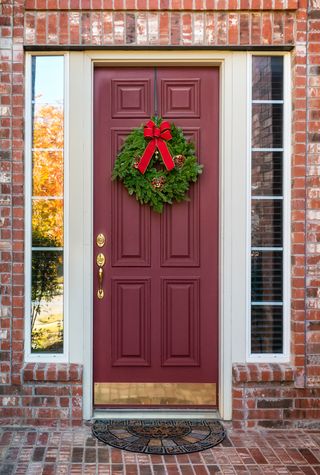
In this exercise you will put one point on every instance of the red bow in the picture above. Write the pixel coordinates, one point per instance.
(158, 135)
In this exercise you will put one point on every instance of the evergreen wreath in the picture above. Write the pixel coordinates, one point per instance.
(165, 178)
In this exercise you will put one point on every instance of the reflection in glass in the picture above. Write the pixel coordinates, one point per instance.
(266, 276)
(47, 127)
(47, 203)
(47, 223)
(266, 176)
(266, 329)
(47, 174)
(47, 301)
(267, 205)
(267, 125)
(266, 223)
(267, 78)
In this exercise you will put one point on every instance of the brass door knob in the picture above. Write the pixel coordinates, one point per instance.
(100, 260)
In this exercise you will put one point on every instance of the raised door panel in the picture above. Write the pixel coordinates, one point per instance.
(130, 321)
(130, 98)
(180, 322)
(180, 98)
(130, 223)
(180, 224)
(180, 240)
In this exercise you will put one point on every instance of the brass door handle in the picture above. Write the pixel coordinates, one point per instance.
(100, 263)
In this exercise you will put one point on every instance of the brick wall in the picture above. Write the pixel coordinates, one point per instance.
(155, 28)
(50, 394)
(313, 198)
(11, 200)
(266, 395)
(116, 23)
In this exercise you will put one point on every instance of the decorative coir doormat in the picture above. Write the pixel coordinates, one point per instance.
(164, 437)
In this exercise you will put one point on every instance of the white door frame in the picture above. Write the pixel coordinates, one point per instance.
(233, 203)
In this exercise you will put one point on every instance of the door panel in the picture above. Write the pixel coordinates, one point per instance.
(130, 98)
(180, 232)
(130, 322)
(180, 98)
(180, 336)
(158, 320)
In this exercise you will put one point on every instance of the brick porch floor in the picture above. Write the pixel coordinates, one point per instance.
(45, 451)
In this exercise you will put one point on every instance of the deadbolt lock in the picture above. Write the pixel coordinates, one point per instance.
(101, 240)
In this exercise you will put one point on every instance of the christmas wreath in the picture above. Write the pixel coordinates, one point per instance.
(157, 164)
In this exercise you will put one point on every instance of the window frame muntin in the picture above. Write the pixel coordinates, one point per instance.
(286, 199)
(29, 356)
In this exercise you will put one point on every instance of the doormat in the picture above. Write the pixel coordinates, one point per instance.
(164, 437)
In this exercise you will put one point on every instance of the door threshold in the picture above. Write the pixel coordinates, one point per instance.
(156, 414)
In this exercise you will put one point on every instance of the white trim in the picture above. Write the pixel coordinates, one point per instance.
(156, 414)
(45, 198)
(28, 204)
(287, 133)
(266, 248)
(263, 101)
(232, 206)
(266, 197)
(248, 203)
(44, 103)
(29, 356)
(37, 149)
(286, 249)
(267, 149)
(34, 248)
(66, 215)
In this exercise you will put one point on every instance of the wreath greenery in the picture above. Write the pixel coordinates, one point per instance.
(157, 185)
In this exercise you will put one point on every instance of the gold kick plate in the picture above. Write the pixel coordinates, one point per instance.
(164, 394)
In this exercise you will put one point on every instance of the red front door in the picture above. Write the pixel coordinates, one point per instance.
(158, 320)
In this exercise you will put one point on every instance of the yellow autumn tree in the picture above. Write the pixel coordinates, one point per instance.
(47, 221)
(48, 141)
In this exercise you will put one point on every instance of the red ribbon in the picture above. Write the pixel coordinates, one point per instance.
(158, 136)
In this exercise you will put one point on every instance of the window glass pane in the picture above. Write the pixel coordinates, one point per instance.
(47, 223)
(47, 316)
(267, 78)
(47, 301)
(267, 125)
(47, 173)
(266, 173)
(266, 276)
(266, 329)
(48, 79)
(266, 223)
(267, 205)
(47, 127)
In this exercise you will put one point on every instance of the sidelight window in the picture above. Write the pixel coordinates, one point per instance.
(45, 207)
(269, 246)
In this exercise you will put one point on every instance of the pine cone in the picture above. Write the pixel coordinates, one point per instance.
(136, 162)
(179, 160)
(158, 183)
